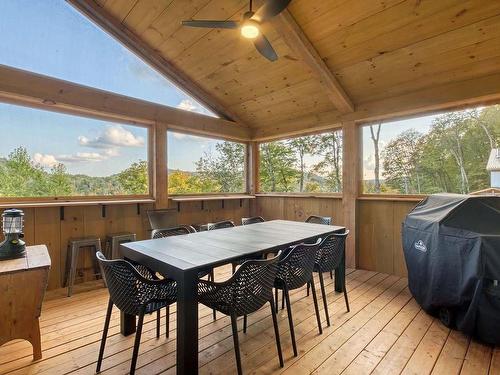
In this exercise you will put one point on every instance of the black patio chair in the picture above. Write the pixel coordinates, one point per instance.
(248, 289)
(220, 225)
(252, 220)
(134, 291)
(295, 269)
(177, 231)
(325, 220)
(329, 258)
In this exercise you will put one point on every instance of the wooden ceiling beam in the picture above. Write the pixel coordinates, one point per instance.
(35, 90)
(103, 19)
(451, 96)
(298, 42)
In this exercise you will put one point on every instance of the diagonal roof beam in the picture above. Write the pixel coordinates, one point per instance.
(103, 19)
(298, 42)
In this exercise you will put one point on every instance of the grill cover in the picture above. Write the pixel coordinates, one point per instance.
(451, 244)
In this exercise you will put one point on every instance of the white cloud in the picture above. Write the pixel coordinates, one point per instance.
(112, 136)
(188, 105)
(45, 160)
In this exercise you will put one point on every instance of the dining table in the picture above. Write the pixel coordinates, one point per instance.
(182, 257)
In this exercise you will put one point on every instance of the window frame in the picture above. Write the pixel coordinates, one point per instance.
(246, 167)
(149, 197)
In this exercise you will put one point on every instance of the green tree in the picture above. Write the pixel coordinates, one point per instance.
(222, 171)
(401, 159)
(277, 172)
(303, 146)
(59, 181)
(20, 177)
(134, 179)
(329, 147)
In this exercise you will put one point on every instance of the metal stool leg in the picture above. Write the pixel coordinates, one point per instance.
(74, 251)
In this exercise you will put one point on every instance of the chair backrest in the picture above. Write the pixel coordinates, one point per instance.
(252, 220)
(127, 287)
(174, 231)
(297, 264)
(326, 220)
(164, 218)
(331, 251)
(220, 225)
(252, 285)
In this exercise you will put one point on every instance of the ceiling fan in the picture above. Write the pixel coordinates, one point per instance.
(250, 25)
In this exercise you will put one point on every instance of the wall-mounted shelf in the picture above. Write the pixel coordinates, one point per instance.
(203, 198)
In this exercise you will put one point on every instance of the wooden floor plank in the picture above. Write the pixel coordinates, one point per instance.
(477, 360)
(452, 356)
(385, 332)
(427, 352)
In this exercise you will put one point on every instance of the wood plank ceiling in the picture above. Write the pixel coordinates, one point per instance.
(376, 49)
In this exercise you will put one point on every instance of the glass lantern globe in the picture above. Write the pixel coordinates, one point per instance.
(12, 221)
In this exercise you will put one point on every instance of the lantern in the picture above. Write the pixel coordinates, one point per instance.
(12, 246)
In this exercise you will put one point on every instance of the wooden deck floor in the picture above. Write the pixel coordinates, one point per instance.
(385, 333)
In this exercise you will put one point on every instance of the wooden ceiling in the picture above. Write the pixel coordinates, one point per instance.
(375, 49)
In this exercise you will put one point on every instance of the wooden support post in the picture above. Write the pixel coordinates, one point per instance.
(159, 156)
(252, 165)
(351, 169)
(252, 172)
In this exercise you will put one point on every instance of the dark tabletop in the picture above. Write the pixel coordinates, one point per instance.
(196, 251)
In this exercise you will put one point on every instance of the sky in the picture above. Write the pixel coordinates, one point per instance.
(51, 38)
(185, 150)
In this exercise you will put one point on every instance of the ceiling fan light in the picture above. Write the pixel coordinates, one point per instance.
(249, 30)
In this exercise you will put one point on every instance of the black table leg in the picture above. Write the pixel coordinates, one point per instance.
(339, 276)
(187, 323)
(127, 324)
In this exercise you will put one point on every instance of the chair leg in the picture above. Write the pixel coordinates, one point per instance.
(316, 308)
(290, 321)
(277, 334)
(331, 275)
(211, 277)
(104, 335)
(245, 323)
(167, 322)
(72, 271)
(345, 297)
(283, 300)
(323, 294)
(276, 298)
(158, 324)
(308, 287)
(236, 343)
(137, 342)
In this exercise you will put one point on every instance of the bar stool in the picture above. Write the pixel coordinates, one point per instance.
(113, 242)
(74, 246)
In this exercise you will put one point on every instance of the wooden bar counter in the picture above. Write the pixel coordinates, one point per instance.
(22, 286)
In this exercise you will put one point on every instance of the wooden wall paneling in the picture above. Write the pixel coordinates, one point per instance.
(160, 176)
(48, 232)
(401, 209)
(376, 236)
(29, 225)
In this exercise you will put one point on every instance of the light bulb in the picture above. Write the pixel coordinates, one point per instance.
(249, 30)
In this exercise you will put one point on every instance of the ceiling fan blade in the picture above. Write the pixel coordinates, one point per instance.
(270, 9)
(265, 48)
(212, 24)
